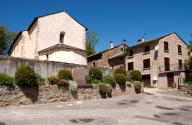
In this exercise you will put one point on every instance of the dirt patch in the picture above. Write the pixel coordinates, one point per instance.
(164, 108)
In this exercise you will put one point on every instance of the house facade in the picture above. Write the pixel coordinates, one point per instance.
(160, 60)
(111, 58)
(54, 37)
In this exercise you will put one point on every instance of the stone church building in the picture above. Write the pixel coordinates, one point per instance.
(54, 37)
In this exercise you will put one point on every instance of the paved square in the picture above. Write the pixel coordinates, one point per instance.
(150, 108)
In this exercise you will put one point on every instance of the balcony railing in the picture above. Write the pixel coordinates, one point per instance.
(172, 67)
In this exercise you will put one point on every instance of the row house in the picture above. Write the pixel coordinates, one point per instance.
(111, 58)
(160, 60)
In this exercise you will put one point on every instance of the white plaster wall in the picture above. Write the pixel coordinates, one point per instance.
(51, 26)
(68, 57)
(46, 32)
(23, 47)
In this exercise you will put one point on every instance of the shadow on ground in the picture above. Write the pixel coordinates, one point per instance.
(171, 115)
(1, 123)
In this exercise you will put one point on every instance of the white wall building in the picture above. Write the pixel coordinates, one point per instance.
(54, 37)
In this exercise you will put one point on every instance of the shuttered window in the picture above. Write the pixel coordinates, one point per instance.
(179, 50)
(166, 46)
(167, 64)
(180, 63)
(130, 52)
(130, 66)
(146, 63)
(146, 49)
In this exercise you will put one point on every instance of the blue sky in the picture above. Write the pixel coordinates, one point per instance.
(111, 19)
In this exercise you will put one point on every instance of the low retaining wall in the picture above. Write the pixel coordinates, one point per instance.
(185, 88)
(45, 68)
(50, 94)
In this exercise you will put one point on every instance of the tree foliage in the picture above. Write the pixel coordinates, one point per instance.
(190, 46)
(91, 41)
(6, 39)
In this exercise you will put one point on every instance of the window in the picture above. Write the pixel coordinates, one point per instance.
(167, 64)
(146, 63)
(94, 64)
(166, 47)
(122, 49)
(146, 49)
(130, 66)
(62, 35)
(130, 53)
(179, 50)
(47, 57)
(180, 64)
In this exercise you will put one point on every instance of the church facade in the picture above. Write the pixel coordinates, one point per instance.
(54, 37)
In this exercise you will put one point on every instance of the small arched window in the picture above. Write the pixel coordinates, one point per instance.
(61, 39)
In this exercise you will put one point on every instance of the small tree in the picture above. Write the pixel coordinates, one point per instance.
(6, 79)
(91, 41)
(95, 73)
(109, 80)
(120, 71)
(136, 75)
(65, 74)
(25, 76)
(120, 78)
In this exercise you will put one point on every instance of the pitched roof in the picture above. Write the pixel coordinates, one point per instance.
(33, 22)
(107, 50)
(58, 46)
(155, 40)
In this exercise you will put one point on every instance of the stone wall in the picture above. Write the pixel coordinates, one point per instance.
(185, 88)
(50, 94)
(103, 60)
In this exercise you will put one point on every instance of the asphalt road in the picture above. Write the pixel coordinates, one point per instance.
(151, 108)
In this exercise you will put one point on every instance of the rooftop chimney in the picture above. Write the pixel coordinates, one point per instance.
(124, 41)
(111, 44)
(141, 40)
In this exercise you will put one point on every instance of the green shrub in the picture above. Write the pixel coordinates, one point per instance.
(137, 87)
(6, 79)
(109, 80)
(53, 80)
(65, 74)
(120, 71)
(103, 88)
(95, 73)
(40, 80)
(136, 75)
(25, 76)
(95, 81)
(88, 79)
(120, 78)
(189, 82)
